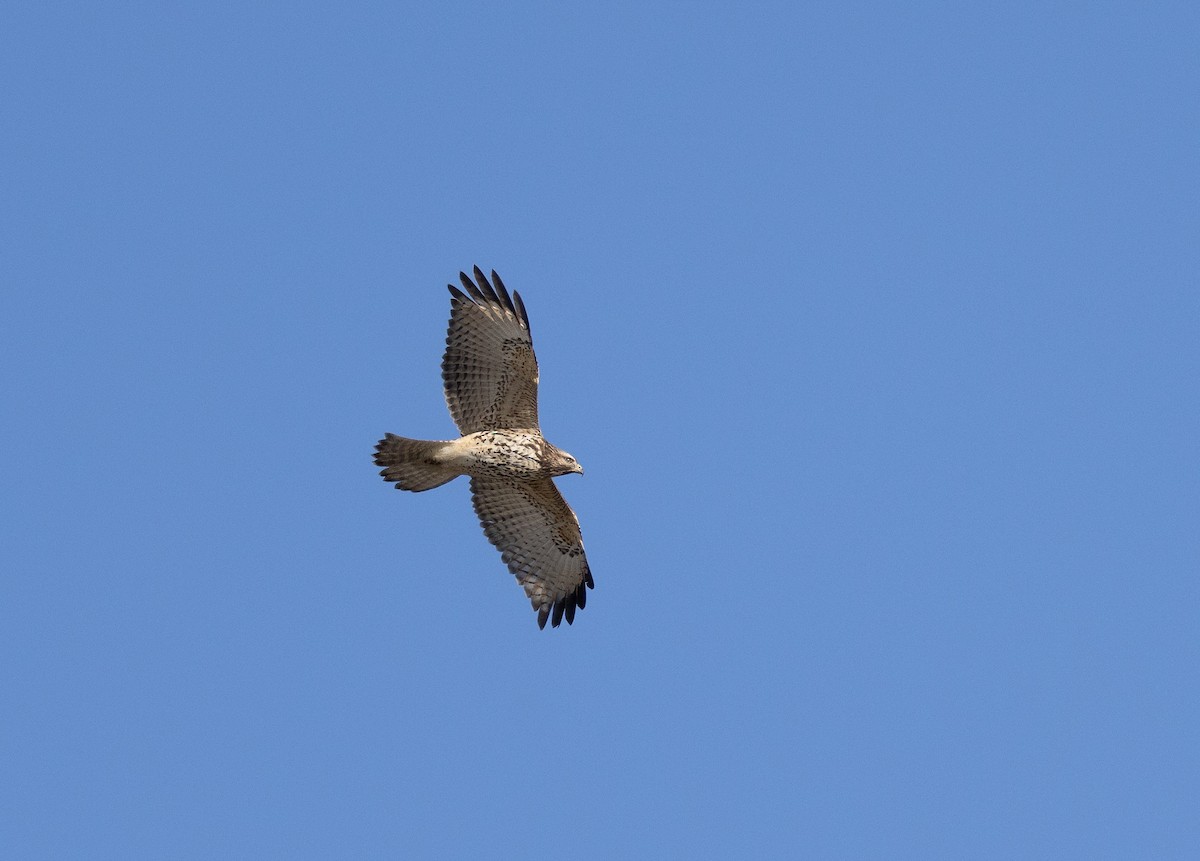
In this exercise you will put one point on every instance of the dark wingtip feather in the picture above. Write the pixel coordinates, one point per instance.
(379, 450)
(486, 288)
(564, 607)
(481, 291)
(502, 291)
(520, 309)
(471, 288)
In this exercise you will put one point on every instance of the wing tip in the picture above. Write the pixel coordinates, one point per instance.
(502, 292)
(566, 606)
(481, 291)
(472, 290)
(486, 288)
(519, 309)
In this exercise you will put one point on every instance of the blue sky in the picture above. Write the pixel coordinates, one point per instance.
(875, 328)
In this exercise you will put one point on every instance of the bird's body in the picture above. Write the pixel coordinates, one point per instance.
(490, 376)
(517, 454)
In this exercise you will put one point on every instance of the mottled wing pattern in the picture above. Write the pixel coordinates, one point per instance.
(489, 370)
(538, 536)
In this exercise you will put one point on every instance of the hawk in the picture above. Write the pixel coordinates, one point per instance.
(490, 375)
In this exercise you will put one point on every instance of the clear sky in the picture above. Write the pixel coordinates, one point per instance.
(876, 328)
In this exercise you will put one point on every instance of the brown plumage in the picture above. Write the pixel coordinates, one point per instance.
(490, 375)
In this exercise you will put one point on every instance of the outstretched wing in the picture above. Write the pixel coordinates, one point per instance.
(538, 536)
(489, 370)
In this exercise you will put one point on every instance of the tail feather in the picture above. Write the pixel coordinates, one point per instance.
(413, 464)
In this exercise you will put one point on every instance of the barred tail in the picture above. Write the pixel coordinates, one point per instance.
(413, 463)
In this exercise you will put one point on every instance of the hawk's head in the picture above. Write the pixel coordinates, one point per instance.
(564, 463)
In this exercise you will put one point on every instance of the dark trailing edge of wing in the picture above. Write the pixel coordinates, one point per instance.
(566, 605)
(483, 293)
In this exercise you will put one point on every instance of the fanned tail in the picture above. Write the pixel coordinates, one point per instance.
(413, 464)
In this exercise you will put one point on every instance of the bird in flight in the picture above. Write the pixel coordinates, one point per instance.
(490, 375)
